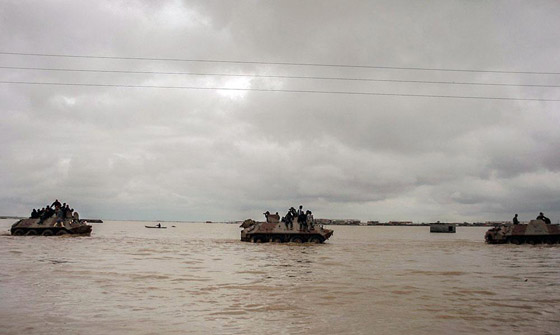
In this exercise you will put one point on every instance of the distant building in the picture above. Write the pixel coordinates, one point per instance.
(496, 223)
(323, 221)
(344, 222)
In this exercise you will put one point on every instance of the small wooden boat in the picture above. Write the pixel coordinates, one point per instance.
(158, 227)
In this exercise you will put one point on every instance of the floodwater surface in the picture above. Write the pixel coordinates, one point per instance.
(198, 278)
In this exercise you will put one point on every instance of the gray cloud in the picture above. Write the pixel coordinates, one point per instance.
(216, 155)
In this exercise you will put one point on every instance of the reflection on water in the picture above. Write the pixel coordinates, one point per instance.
(199, 279)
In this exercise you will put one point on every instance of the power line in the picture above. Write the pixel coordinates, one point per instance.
(277, 63)
(281, 90)
(281, 77)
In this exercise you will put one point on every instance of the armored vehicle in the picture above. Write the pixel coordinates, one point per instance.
(534, 232)
(275, 230)
(50, 226)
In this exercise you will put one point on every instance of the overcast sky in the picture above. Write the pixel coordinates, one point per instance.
(208, 154)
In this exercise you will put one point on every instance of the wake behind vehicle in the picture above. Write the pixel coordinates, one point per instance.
(534, 232)
(275, 230)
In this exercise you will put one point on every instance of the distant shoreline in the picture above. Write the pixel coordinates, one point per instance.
(327, 222)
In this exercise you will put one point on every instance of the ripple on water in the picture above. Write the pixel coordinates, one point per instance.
(383, 280)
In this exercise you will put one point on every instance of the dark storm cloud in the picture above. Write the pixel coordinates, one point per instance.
(190, 154)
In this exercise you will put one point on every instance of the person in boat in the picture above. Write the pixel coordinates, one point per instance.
(543, 218)
(159, 225)
(515, 220)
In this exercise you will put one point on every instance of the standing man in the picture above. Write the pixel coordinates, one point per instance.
(301, 217)
(515, 220)
(309, 218)
(60, 214)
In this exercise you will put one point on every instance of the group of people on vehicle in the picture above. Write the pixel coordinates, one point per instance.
(540, 217)
(62, 211)
(305, 219)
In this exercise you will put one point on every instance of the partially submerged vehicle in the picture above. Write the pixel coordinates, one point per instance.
(50, 226)
(274, 230)
(441, 227)
(534, 232)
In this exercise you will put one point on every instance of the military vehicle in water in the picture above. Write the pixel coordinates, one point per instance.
(275, 230)
(50, 226)
(534, 232)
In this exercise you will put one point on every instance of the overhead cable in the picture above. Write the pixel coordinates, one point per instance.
(279, 77)
(277, 63)
(281, 90)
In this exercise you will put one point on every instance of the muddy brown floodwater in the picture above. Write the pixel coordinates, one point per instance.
(199, 278)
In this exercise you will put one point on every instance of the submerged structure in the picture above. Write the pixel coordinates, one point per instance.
(534, 232)
(50, 226)
(440, 227)
(287, 230)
